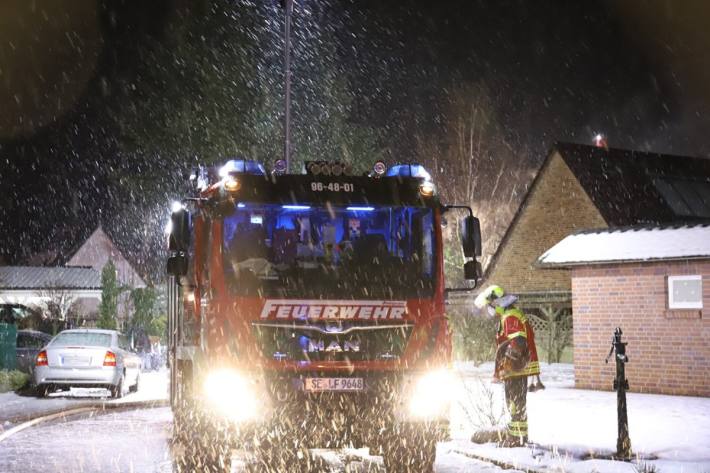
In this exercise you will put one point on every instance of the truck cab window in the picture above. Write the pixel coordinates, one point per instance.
(276, 250)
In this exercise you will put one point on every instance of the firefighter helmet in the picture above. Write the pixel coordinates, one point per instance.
(488, 295)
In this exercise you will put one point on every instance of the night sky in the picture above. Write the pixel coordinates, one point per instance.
(553, 70)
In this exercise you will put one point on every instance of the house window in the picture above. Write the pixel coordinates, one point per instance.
(685, 292)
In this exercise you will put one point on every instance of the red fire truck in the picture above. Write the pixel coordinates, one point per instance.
(308, 310)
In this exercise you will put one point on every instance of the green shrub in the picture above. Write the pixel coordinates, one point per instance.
(473, 335)
(13, 380)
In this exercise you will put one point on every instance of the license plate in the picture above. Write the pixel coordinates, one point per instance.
(74, 360)
(333, 384)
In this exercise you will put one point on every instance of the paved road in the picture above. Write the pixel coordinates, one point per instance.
(15, 408)
(138, 442)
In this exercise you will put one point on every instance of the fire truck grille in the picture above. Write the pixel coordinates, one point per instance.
(325, 343)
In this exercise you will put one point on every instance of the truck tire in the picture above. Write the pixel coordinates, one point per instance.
(410, 454)
(198, 451)
(282, 458)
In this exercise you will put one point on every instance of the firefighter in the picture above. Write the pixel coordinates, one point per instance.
(515, 342)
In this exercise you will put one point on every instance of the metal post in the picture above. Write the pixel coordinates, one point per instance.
(172, 294)
(288, 4)
(621, 385)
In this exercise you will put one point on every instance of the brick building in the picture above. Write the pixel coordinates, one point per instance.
(654, 283)
(581, 186)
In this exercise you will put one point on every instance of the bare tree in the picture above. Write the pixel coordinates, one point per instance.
(474, 163)
(59, 305)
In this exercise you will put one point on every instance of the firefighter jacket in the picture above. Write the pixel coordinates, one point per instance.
(514, 328)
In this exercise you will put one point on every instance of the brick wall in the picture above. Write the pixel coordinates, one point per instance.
(557, 206)
(669, 350)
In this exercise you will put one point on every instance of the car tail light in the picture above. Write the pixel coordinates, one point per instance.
(41, 359)
(110, 359)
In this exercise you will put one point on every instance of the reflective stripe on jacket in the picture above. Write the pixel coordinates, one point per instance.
(513, 323)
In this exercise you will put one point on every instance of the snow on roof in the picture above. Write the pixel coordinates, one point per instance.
(640, 243)
(41, 277)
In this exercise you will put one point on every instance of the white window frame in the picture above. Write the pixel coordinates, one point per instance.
(684, 305)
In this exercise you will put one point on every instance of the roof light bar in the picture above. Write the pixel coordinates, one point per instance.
(296, 207)
(409, 170)
(242, 166)
(325, 168)
(360, 209)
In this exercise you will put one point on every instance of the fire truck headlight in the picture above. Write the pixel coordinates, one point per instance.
(427, 189)
(432, 394)
(232, 184)
(231, 395)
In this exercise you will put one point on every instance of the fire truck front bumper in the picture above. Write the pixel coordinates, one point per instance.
(367, 411)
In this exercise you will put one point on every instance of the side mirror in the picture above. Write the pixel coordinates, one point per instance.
(470, 228)
(179, 240)
(472, 270)
(177, 265)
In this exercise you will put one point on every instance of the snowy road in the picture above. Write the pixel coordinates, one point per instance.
(138, 442)
(15, 408)
(670, 433)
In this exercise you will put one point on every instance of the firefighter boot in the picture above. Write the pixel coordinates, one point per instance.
(510, 441)
(532, 387)
(538, 385)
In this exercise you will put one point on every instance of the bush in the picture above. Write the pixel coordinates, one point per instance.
(473, 335)
(13, 380)
(645, 467)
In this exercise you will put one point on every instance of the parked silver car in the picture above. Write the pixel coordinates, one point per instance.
(88, 358)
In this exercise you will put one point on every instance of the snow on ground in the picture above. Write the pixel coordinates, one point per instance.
(14, 407)
(571, 426)
(669, 432)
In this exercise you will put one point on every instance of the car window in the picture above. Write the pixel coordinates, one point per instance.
(123, 343)
(91, 339)
(29, 340)
(22, 340)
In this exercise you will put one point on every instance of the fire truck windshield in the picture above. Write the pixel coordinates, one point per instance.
(356, 252)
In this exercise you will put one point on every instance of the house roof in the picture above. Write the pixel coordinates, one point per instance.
(630, 187)
(629, 244)
(33, 277)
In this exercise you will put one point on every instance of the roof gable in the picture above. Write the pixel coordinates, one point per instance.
(97, 250)
(555, 206)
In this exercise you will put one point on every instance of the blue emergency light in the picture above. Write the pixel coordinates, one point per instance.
(408, 170)
(242, 166)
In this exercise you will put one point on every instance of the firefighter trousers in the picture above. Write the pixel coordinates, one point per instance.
(516, 391)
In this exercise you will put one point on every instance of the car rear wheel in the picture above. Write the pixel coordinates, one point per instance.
(135, 387)
(117, 390)
(41, 390)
